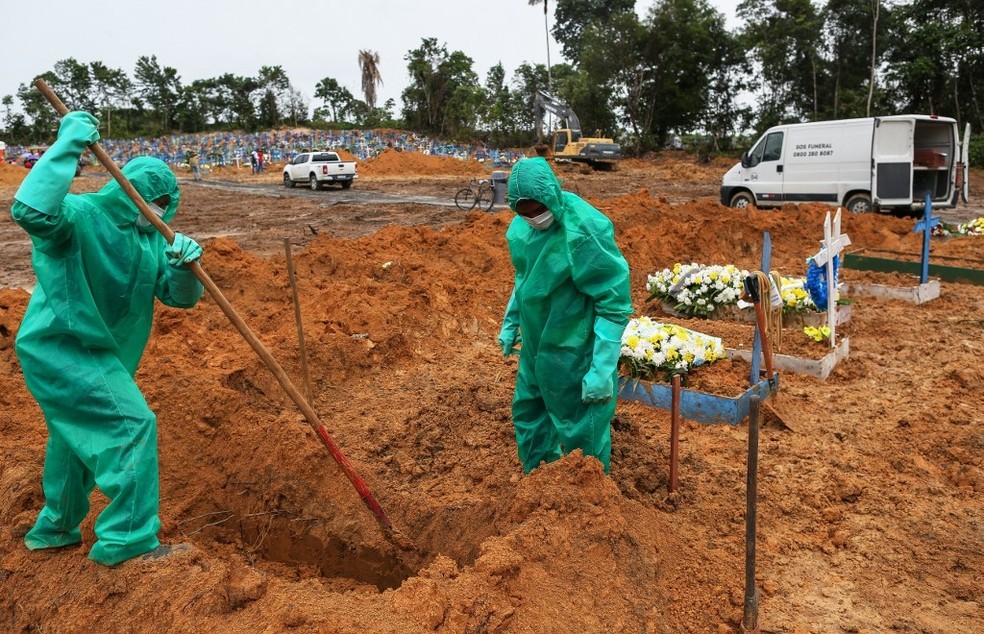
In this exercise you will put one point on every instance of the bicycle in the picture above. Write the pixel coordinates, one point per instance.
(479, 193)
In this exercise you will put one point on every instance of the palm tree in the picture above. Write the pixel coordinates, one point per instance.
(369, 64)
(546, 29)
(876, 5)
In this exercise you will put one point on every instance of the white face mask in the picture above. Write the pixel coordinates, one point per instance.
(540, 222)
(143, 223)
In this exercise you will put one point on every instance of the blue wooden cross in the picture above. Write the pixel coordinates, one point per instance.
(763, 297)
(926, 226)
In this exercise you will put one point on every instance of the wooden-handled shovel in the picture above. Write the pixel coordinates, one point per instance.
(757, 287)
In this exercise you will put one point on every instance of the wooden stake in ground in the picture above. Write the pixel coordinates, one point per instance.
(674, 434)
(750, 614)
(237, 321)
(297, 318)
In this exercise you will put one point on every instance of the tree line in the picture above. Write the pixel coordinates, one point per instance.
(677, 69)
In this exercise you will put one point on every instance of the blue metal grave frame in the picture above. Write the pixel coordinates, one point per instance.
(695, 405)
(700, 406)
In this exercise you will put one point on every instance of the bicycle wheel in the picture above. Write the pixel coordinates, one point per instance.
(465, 199)
(486, 198)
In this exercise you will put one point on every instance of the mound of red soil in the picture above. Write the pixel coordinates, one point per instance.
(11, 175)
(395, 163)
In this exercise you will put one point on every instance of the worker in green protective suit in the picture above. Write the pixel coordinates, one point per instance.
(99, 265)
(569, 306)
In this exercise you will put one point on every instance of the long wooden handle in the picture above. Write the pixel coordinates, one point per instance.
(766, 348)
(237, 321)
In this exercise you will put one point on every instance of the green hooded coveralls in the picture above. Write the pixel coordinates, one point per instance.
(82, 337)
(571, 303)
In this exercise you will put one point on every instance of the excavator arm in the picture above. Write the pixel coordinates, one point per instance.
(545, 102)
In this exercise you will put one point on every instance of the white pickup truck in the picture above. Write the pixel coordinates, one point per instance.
(320, 168)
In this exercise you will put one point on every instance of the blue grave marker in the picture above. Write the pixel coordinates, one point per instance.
(926, 226)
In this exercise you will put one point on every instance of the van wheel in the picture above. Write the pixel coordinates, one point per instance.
(346, 184)
(859, 204)
(742, 200)
(287, 181)
(313, 183)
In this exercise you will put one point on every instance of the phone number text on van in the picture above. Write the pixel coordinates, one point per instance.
(813, 149)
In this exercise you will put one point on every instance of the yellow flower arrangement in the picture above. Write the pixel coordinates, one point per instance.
(653, 350)
(817, 333)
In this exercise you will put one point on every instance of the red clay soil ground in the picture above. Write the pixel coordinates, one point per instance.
(870, 515)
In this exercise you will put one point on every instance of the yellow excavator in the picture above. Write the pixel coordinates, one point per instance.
(568, 144)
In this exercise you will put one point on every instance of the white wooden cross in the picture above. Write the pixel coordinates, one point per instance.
(833, 243)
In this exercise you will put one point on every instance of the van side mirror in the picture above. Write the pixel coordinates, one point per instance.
(744, 159)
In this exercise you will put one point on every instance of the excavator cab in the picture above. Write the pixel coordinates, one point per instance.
(563, 138)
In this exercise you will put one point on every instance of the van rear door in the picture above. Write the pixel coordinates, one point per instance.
(891, 162)
(965, 165)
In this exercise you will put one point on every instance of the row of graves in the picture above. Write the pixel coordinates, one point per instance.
(798, 325)
(794, 325)
(753, 311)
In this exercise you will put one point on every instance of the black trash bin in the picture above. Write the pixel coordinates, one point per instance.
(500, 180)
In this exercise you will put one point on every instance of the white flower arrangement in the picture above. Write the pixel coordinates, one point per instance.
(653, 351)
(973, 227)
(697, 290)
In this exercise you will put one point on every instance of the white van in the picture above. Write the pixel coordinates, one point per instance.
(874, 164)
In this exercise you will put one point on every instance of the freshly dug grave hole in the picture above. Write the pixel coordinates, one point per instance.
(273, 494)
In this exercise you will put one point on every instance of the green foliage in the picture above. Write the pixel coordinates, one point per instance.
(43, 120)
(784, 39)
(160, 86)
(14, 123)
(686, 46)
(527, 80)
(572, 18)
(337, 101)
(444, 96)
(937, 59)
(676, 71)
(845, 75)
(977, 150)
(274, 85)
(502, 109)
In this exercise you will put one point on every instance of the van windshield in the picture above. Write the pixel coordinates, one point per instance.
(324, 156)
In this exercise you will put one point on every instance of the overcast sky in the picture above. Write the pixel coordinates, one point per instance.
(311, 41)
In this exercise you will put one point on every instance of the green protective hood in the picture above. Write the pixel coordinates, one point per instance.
(152, 178)
(533, 178)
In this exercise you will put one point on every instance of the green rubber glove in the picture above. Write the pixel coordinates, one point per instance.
(509, 336)
(598, 385)
(182, 251)
(47, 183)
(79, 128)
